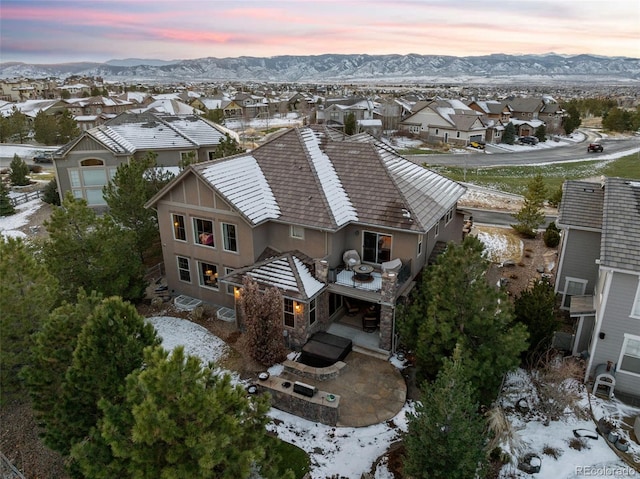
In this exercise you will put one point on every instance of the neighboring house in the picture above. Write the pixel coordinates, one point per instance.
(598, 275)
(97, 105)
(84, 165)
(230, 108)
(544, 110)
(496, 115)
(446, 121)
(335, 114)
(287, 212)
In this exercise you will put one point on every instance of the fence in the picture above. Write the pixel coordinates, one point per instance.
(24, 197)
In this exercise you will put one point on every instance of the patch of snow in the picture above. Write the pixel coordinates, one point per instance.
(9, 224)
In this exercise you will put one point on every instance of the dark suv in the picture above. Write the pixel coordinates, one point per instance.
(595, 147)
(43, 157)
(529, 140)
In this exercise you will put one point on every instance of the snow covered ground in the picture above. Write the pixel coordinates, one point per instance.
(9, 224)
(349, 452)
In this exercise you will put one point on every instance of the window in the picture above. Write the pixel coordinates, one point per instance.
(312, 311)
(183, 269)
(187, 157)
(335, 303)
(289, 315)
(229, 237)
(457, 134)
(296, 232)
(436, 229)
(436, 131)
(208, 275)
(420, 239)
(449, 215)
(230, 287)
(203, 230)
(376, 247)
(635, 310)
(179, 231)
(572, 287)
(629, 360)
(74, 178)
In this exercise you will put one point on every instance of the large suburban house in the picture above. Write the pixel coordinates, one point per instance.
(86, 164)
(340, 225)
(446, 121)
(599, 277)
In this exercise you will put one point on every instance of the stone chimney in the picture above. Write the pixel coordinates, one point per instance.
(322, 270)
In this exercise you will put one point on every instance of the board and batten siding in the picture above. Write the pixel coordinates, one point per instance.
(616, 322)
(580, 253)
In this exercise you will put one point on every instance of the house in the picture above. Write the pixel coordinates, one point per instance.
(530, 113)
(598, 276)
(446, 121)
(336, 112)
(496, 115)
(301, 213)
(84, 165)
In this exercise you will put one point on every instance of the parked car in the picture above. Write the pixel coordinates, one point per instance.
(529, 140)
(477, 144)
(595, 147)
(43, 157)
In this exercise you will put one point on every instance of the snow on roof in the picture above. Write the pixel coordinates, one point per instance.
(311, 285)
(341, 207)
(242, 182)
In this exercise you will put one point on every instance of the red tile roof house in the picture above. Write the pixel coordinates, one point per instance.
(286, 213)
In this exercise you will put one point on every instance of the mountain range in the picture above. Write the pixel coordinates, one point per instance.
(350, 68)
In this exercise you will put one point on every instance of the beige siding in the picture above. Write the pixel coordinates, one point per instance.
(579, 258)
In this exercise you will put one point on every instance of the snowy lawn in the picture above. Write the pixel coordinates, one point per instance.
(349, 452)
(9, 224)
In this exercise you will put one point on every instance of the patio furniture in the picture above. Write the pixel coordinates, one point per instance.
(352, 308)
(362, 273)
(392, 266)
(351, 259)
(371, 319)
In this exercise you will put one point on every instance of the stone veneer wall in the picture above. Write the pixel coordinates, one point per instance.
(316, 408)
(388, 295)
(309, 372)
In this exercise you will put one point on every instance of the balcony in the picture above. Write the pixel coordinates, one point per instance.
(345, 282)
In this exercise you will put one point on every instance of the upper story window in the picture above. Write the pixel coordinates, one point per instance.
(635, 310)
(376, 247)
(230, 240)
(296, 232)
(629, 360)
(179, 231)
(420, 240)
(449, 215)
(203, 230)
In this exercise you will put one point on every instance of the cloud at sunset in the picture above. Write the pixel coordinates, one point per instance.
(52, 31)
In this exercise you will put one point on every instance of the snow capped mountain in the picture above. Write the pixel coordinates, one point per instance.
(341, 68)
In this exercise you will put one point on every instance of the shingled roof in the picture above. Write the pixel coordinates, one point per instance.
(621, 224)
(614, 209)
(310, 177)
(581, 205)
(130, 132)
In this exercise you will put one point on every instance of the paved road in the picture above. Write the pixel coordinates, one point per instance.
(494, 155)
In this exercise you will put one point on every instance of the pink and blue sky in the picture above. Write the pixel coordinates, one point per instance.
(54, 31)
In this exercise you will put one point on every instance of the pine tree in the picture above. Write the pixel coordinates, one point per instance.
(45, 128)
(531, 216)
(133, 185)
(509, 134)
(67, 127)
(446, 434)
(572, 119)
(179, 420)
(227, 147)
(350, 124)
(51, 354)
(109, 347)
(541, 133)
(19, 175)
(18, 127)
(27, 294)
(535, 308)
(456, 305)
(6, 208)
(263, 316)
(50, 193)
(90, 252)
